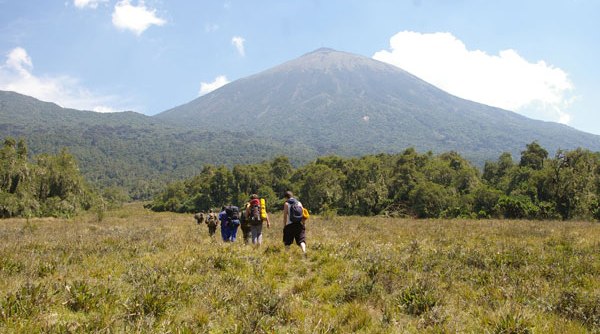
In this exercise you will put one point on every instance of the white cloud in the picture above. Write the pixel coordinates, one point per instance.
(16, 74)
(238, 42)
(207, 87)
(88, 3)
(135, 18)
(506, 80)
(104, 109)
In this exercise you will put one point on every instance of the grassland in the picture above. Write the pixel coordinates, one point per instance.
(135, 271)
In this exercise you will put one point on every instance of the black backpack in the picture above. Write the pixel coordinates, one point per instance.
(295, 210)
(233, 212)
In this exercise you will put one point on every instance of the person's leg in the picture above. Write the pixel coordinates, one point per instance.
(248, 237)
(234, 232)
(301, 238)
(257, 234)
(225, 232)
(288, 236)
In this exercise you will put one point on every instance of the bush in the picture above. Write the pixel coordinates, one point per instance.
(417, 298)
(578, 306)
(517, 207)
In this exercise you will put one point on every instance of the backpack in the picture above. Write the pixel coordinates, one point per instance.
(233, 212)
(212, 219)
(263, 209)
(255, 216)
(295, 210)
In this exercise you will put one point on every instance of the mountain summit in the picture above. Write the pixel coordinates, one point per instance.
(338, 102)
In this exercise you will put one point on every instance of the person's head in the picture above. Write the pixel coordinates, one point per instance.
(288, 194)
(223, 208)
(209, 210)
(253, 196)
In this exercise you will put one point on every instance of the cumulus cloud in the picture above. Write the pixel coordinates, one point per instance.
(207, 87)
(16, 74)
(135, 18)
(87, 3)
(238, 42)
(505, 80)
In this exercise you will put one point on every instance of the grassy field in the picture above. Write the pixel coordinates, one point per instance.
(135, 271)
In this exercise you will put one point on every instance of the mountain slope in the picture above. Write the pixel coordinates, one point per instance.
(342, 103)
(130, 150)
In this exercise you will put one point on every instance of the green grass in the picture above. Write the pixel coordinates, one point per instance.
(137, 271)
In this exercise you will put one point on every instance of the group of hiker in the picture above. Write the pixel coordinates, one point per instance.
(251, 218)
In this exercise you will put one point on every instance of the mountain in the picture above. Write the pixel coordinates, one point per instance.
(325, 102)
(136, 152)
(337, 102)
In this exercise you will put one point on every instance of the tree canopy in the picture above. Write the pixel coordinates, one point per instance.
(424, 185)
(49, 186)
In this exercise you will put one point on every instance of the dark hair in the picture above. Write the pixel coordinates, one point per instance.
(288, 194)
(254, 196)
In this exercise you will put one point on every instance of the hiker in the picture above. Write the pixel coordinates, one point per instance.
(199, 217)
(256, 214)
(245, 225)
(293, 222)
(212, 221)
(225, 234)
(232, 216)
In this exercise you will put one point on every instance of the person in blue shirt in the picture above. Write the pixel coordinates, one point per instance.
(230, 220)
(225, 231)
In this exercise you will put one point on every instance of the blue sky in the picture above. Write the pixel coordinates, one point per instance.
(538, 58)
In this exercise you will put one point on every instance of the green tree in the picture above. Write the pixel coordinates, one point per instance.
(365, 187)
(52, 186)
(429, 200)
(533, 156)
(320, 187)
(571, 183)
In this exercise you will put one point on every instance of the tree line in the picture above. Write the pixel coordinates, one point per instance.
(50, 185)
(423, 185)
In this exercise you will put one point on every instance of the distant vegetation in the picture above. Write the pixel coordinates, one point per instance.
(49, 186)
(143, 272)
(132, 152)
(566, 186)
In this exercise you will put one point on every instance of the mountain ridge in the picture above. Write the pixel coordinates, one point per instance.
(129, 150)
(322, 103)
(383, 108)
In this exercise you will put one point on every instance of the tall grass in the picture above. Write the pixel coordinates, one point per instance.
(138, 271)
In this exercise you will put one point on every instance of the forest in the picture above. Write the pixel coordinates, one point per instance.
(50, 186)
(409, 184)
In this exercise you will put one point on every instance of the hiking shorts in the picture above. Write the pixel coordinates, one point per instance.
(294, 231)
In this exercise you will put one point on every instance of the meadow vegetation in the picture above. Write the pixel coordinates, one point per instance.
(136, 271)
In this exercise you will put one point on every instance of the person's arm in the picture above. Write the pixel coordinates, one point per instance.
(285, 213)
(267, 219)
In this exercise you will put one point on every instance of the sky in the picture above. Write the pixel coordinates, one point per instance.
(537, 58)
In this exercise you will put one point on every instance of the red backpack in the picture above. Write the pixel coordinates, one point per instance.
(254, 217)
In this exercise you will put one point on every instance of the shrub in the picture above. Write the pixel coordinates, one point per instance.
(511, 323)
(577, 306)
(517, 207)
(417, 298)
(28, 300)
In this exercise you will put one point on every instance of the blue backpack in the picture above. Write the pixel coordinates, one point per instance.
(295, 210)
